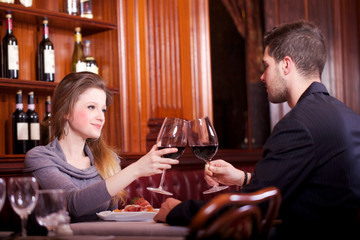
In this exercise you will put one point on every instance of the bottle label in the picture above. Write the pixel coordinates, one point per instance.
(49, 60)
(92, 68)
(22, 131)
(77, 37)
(34, 131)
(80, 66)
(13, 57)
(19, 106)
(46, 32)
(31, 107)
(9, 24)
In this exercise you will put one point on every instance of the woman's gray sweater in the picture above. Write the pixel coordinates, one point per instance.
(86, 192)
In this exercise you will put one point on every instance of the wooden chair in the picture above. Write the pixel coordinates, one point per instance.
(221, 215)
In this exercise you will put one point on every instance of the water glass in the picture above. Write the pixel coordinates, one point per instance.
(2, 193)
(22, 193)
(50, 210)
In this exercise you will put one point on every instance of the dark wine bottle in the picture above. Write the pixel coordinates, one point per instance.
(78, 59)
(10, 51)
(91, 64)
(45, 128)
(20, 126)
(46, 56)
(33, 121)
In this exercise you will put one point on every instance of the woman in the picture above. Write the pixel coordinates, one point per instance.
(78, 159)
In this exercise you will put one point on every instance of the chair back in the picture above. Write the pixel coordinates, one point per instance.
(221, 209)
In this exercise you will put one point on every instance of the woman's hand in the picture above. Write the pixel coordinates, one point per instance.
(165, 208)
(220, 171)
(152, 163)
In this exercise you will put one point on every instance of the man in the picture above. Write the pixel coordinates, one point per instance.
(313, 153)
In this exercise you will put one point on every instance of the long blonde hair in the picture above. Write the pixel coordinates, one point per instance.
(65, 96)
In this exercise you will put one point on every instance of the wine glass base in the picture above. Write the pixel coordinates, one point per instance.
(159, 190)
(215, 189)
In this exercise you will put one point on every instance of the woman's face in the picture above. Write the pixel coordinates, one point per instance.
(88, 116)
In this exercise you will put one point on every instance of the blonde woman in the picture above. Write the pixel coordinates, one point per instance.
(78, 159)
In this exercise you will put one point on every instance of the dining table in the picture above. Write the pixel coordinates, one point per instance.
(113, 230)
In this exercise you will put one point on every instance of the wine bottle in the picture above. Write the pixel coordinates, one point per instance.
(10, 51)
(78, 60)
(91, 64)
(33, 121)
(46, 56)
(45, 128)
(20, 126)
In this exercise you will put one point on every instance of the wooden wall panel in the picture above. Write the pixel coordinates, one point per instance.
(350, 53)
(164, 48)
(164, 65)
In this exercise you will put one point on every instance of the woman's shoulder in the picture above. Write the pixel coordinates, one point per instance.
(41, 150)
(42, 156)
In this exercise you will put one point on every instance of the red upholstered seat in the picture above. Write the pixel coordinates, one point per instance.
(184, 185)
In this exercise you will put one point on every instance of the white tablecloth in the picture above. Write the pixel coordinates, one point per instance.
(108, 228)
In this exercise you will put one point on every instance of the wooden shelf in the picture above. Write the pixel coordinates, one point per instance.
(56, 19)
(7, 85)
(15, 84)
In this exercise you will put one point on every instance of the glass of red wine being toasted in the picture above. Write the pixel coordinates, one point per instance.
(204, 143)
(172, 135)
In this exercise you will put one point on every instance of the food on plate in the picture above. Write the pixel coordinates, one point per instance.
(137, 205)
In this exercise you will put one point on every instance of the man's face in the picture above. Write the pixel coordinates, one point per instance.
(274, 81)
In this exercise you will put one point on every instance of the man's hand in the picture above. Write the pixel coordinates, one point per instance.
(220, 171)
(166, 207)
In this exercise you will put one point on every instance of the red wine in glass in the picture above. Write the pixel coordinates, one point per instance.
(172, 135)
(174, 155)
(204, 143)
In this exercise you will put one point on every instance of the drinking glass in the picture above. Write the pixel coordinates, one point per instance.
(172, 135)
(50, 209)
(204, 143)
(22, 193)
(2, 193)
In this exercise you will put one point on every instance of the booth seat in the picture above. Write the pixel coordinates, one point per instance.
(188, 184)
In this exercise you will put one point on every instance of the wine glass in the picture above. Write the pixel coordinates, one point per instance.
(22, 193)
(50, 209)
(2, 192)
(172, 135)
(204, 144)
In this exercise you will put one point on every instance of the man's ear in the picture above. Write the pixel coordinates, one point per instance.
(287, 65)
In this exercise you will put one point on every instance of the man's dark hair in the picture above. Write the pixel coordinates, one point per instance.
(303, 42)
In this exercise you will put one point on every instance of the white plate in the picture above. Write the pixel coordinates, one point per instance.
(127, 216)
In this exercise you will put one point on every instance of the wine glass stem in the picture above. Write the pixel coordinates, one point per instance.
(23, 226)
(162, 179)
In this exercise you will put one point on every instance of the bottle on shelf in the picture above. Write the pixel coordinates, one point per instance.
(10, 51)
(26, 3)
(86, 8)
(33, 121)
(71, 7)
(20, 132)
(46, 56)
(91, 64)
(8, 1)
(45, 128)
(78, 60)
